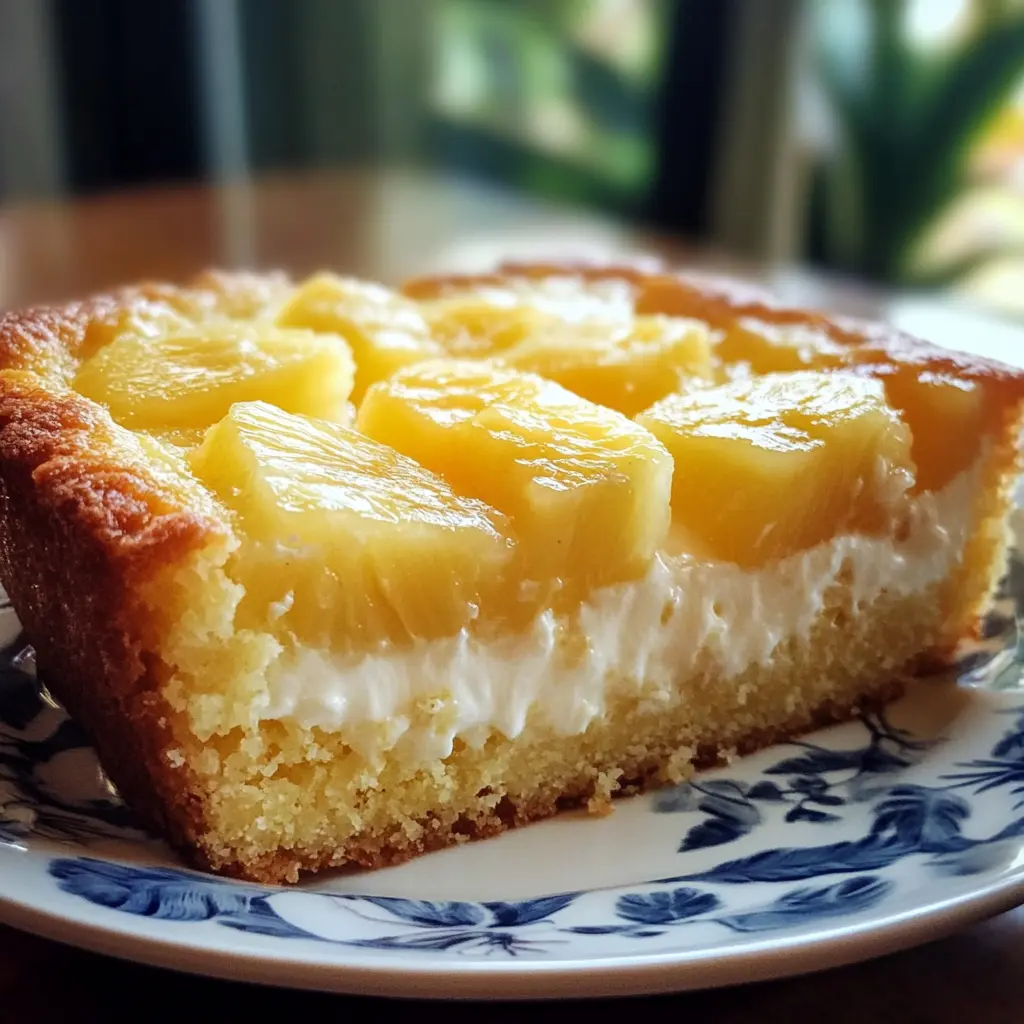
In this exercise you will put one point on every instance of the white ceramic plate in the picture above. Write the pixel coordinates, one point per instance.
(856, 841)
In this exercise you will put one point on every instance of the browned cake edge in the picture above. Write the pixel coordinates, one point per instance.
(77, 537)
(80, 534)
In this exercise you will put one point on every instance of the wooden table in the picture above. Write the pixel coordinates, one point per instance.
(387, 226)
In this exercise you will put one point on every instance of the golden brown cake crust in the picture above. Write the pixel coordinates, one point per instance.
(79, 532)
(84, 525)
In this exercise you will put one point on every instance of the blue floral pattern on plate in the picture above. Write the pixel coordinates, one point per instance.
(830, 831)
(906, 820)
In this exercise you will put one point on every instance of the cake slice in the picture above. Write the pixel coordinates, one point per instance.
(333, 574)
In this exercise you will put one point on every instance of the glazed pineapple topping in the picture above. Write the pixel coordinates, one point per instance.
(574, 477)
(626, 367)
(945, 415)
(770, 348)
(190, 378)
(515, 449)
(324, 504)
(488, 318)
(780, 463)
(385, 330)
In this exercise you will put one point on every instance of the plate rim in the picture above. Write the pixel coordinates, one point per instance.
(599, 977)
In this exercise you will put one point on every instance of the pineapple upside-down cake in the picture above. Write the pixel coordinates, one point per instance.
(332, 573)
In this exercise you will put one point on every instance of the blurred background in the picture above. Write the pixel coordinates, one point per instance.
(878, 140)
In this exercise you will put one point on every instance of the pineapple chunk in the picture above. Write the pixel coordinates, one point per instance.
(471, 326)
(142, 317)
(185, 381)
(777, 464)
(485, 319)
(586, 488)
(770, 348)
(351, 542)
(152, 310)
(384, 329)
(946, 416)
(626, 367)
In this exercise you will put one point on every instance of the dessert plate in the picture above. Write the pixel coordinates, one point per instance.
(854, 842)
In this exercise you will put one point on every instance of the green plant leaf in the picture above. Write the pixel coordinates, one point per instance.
(967, 89)
(876, 104)
(956, 270)
(906, 125)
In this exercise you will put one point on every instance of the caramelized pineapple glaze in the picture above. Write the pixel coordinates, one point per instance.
(334, 573)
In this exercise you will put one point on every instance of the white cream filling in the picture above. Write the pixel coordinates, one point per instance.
(641, 636)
